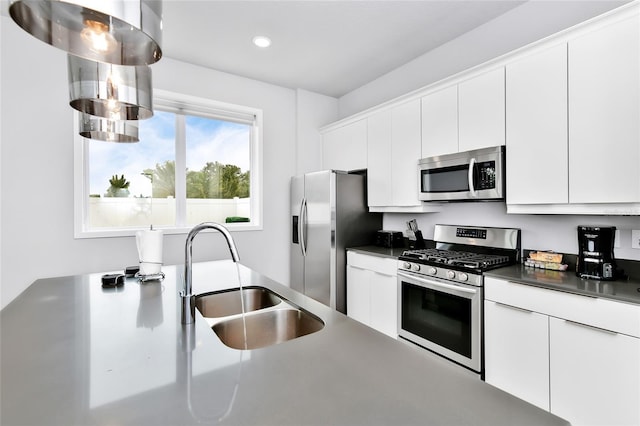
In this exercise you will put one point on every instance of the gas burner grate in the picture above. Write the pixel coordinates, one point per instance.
(482, 261)
(457, 258)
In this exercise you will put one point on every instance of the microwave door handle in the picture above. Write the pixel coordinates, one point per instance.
(472, 190)
(302, 227)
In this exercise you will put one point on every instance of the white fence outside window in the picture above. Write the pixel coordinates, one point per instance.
(125, 212)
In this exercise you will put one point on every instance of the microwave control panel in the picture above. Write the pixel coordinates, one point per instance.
(485, 175)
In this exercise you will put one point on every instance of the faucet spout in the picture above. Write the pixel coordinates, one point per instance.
(188, 299)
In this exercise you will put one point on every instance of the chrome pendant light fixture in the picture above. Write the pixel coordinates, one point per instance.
(103, 129)
(114, 92)
(122, 32)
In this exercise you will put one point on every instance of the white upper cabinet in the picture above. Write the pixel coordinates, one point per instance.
(406, 151)
(379, 159)
(345, 148)
(393, 151)
(536, 128)
(440, 122)
(481, 111)
(469, 115)
(604, 114)
(573, 124)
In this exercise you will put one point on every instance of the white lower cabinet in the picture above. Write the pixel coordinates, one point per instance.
(517, 352)
(594, 374)
(372, 292)
(576, 356)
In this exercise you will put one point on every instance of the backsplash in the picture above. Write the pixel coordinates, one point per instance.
(542, 232)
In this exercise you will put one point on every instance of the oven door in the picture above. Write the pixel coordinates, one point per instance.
(441, 316)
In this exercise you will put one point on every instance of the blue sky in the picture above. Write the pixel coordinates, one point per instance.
(207, 141)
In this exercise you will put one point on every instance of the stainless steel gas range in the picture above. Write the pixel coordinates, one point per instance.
(440, 290)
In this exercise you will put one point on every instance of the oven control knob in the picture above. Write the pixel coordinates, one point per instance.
(406, 265)
(432, 271)
(451, 274)
(416, 267)
(463, 277)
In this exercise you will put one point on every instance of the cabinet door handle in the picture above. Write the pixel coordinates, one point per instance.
(385, 275)
(591, 327)
(515, 308)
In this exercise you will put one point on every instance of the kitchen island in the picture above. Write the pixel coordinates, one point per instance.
(73, 352)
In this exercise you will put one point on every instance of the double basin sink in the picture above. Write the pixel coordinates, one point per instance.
(268, 318)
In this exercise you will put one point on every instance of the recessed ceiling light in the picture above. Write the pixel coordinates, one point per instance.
(262, 41)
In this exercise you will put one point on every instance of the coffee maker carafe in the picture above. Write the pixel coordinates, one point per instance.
(595, 252)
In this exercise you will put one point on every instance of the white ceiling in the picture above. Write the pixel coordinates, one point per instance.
(333, 47)
(328, 47)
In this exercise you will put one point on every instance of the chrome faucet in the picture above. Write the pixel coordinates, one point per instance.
(188, 299)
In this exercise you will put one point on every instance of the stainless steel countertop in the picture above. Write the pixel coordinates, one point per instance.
(75, 353)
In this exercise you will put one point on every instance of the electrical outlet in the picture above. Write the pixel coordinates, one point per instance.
(616, 239)
(635, 239)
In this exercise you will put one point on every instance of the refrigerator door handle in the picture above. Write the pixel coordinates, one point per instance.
(302, 226)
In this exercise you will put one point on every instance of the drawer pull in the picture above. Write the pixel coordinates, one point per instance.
(604, 330)
(360, 268)
(530, 284)
(515, 308)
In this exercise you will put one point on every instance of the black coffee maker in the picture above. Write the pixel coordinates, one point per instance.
(595, 252)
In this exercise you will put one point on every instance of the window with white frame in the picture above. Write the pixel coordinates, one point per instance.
(197, 161)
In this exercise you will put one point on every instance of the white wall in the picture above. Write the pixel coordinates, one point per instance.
(36, 171)
(313, 111)
(516, 28)
(539, 232)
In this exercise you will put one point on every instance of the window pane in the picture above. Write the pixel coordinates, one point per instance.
(208, 149)
(218, 170)
(134, 184)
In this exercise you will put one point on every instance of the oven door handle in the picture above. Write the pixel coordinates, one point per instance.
(435, 285)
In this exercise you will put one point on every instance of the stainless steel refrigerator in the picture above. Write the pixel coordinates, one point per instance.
(328, 214)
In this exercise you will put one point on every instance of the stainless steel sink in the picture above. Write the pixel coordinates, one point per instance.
(226, 303)
(266, 328)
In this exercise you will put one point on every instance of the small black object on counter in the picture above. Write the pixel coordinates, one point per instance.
(112, 280)
(595, 253)
(131, 271)
(389, 239)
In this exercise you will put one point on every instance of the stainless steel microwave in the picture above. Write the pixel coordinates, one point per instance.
(463, 176)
